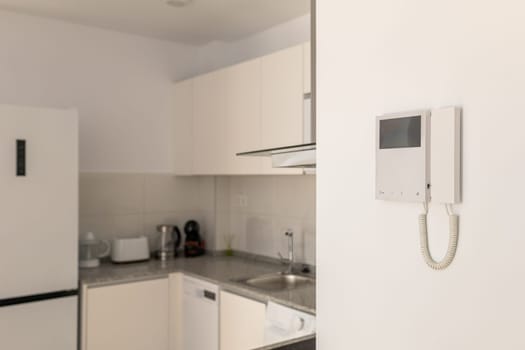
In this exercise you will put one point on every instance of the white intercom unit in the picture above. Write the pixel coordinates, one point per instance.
(402, 170)
(418, 160)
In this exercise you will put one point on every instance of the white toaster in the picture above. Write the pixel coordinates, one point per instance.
(129, 249)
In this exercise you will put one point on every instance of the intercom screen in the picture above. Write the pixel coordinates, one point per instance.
(400, 132)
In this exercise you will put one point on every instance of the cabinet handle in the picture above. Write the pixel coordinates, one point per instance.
(209, 295)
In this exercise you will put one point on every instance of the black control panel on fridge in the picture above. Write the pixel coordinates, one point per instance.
(20, 157)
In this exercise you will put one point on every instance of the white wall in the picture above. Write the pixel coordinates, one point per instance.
(222, 54)
(375, 292)
(121, 85)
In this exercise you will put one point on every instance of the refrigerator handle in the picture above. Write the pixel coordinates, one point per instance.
(21, 157)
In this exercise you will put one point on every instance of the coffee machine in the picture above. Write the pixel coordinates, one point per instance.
(193, 245)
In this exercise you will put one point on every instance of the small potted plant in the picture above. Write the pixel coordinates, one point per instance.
(228, 240)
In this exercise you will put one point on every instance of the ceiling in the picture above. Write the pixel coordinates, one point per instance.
(198, 23)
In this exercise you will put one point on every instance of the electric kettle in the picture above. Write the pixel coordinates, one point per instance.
(91, 250)
(169, 241)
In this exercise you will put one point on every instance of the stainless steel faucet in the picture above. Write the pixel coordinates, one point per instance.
(291, 259)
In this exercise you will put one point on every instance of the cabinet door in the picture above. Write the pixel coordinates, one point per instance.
(209, 124)
(307, 68)
(282, 98)
(281, 103)
(131, 316)
(241, 322)
(49, 324)
(243, 117)
(182, 128)
(175, 302)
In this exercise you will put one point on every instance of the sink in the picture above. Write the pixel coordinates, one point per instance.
(278, 281)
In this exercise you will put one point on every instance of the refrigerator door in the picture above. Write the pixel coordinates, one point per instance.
(50, 324)
(39, 201)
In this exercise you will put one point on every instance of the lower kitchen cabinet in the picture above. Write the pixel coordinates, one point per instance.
(175, 303)
(131, 316)
(241, 322)
(174, 313)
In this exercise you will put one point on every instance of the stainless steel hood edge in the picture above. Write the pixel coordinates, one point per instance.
(296, 156)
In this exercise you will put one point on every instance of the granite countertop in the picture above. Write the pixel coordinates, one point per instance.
(219, 270)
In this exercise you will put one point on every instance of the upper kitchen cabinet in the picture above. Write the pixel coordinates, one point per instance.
(209, 124)
(307, 68)
(253, 105)
(282, 98)
(243, 128)
(182, 128)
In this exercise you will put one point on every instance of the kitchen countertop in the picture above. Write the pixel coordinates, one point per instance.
(216, 269)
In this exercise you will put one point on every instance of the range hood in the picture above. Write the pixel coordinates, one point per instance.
(293, 156)
(302, 155)
(296, 156)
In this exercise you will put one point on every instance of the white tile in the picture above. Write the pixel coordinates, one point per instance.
(101, 225)
(309, 241)
(222, 228)
(207, 222)
(127, 225)
(294, 195)
(222, 193)
(111, 193)
(115, 205)
(167, 193)
(257, 190)
(275, 203)
(259, 237)
(238, 230)
(205, 199)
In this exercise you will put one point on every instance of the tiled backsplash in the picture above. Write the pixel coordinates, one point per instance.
(122, 205)
(255, 209)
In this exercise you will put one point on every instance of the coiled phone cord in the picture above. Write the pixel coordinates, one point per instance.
(452, 241)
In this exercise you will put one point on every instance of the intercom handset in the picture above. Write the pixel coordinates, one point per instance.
(418, 160)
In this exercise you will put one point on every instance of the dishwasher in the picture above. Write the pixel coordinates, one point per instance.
(200, 315)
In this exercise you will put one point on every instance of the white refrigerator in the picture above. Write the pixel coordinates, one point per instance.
(38, 228)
